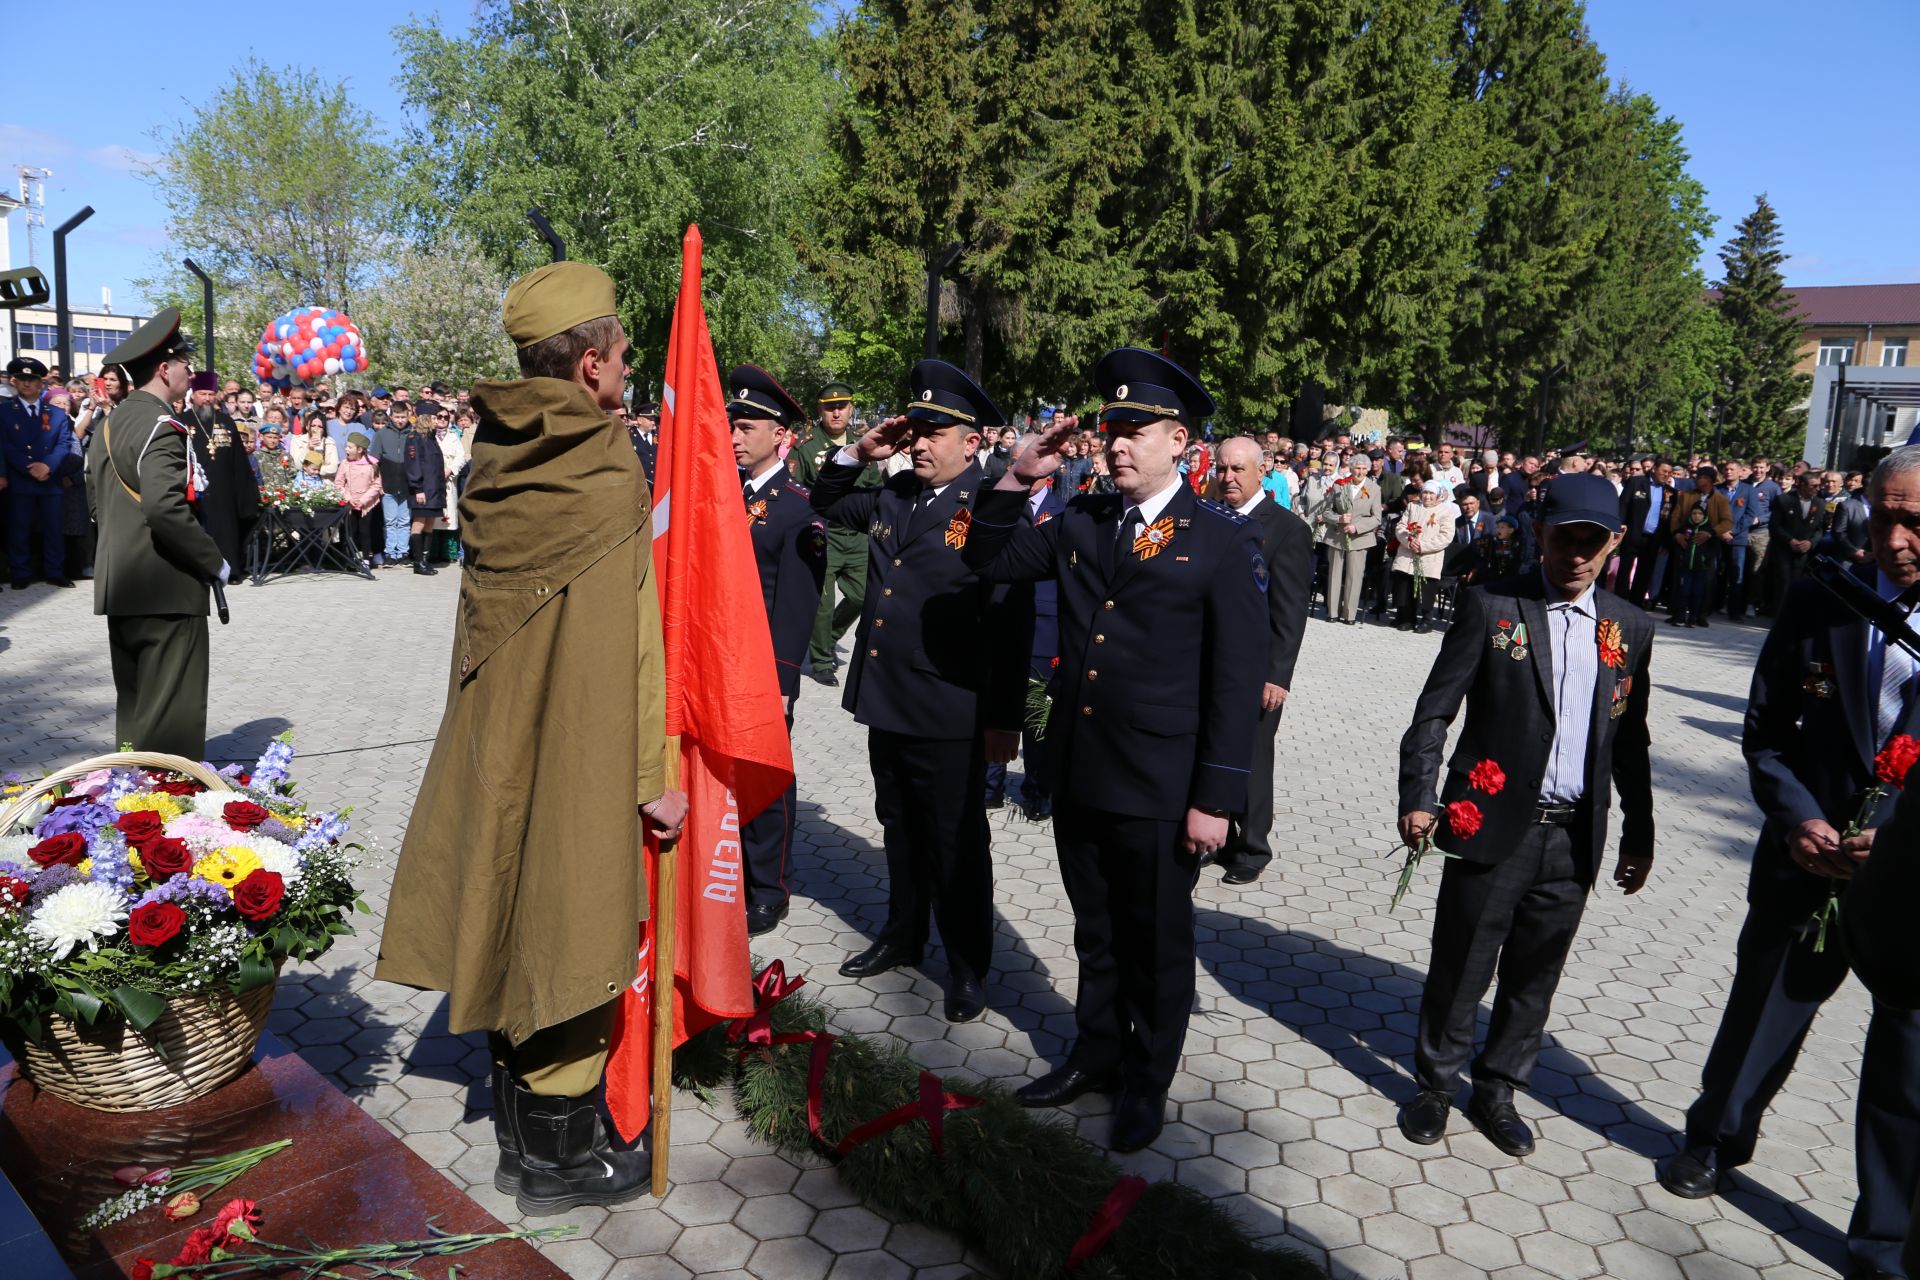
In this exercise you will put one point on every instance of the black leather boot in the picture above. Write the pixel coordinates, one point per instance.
(506, 1174)
(565, 1158)
(417, 543)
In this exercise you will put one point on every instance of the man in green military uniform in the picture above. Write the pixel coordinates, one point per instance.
(846, 548)
(154, 560)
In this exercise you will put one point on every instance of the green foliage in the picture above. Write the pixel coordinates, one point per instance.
(1763, 332)
(434, 314)
(624, 121)
(1020, 1188)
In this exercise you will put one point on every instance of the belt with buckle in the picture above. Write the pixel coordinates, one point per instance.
(1556, 815)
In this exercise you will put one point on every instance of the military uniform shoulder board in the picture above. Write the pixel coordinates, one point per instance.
(1225, 512)
(794, 486)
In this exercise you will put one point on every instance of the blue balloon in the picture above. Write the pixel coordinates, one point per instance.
(348, 364)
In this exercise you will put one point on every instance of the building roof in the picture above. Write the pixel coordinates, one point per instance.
(1858, 304)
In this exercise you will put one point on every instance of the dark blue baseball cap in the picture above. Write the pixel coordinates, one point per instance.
(1581, 498)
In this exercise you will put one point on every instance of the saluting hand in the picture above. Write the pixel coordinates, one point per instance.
(883, 440)
(1040, 456)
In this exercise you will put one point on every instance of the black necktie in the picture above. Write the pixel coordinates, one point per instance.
(1122, 539)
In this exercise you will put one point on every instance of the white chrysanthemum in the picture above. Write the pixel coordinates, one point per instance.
(211, 803)
(14, 848)
(274, 856)
(79, 913)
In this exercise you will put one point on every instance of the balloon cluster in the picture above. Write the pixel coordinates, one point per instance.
(307, 344)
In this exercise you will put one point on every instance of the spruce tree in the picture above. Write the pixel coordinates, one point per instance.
(1762, 390)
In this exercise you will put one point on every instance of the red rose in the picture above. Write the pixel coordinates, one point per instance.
(1895, 759)
(246, 779)
(65, 801)
(13, 893)
(154, 924)
(1464, 818)
(69, 847)
(141, 827)
(166, 857)
(1487, 777)
(180, 787)
(258, 896)
(244, 815)
(143, 1269)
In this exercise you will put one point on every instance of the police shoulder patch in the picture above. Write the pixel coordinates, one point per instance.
(1220, 509)
(794, 486)
(1259, 570)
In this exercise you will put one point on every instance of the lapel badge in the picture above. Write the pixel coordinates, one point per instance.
(874, 528)
(957, 528)
(1185, 522)
(1613, 648)
(757, 511)
(1819, 687)
(1153, 539)
(965, 495)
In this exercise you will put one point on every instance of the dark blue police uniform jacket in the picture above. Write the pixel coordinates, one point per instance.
(790, 548)
(1157, 694)
(939, 653)
(31, 433)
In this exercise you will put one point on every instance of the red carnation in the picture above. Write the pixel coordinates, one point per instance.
(258, 896)
(1464, 818)
(13, 893)
(238, 1211)
(155, 924)
(1895, 759)
(69, 847)
(166, 857)
(244, 815)
(199, 1246)
(1487, 778)
(143, 826)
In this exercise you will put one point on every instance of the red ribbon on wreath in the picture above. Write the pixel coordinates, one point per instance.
(769, 989)
(1119, 1203)
(934, 1102)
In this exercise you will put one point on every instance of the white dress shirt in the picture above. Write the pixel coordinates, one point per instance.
(1890, 671)
(759, 482)
(1252, 502)
(1576, 667)
(1150, 508)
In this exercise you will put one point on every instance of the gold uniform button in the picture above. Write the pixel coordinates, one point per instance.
(896, 564)
(1093, 675)
(1086, 711)
(1099, 639)
(1107, 605)
(879, 622)
(886, 591)
(873, 653)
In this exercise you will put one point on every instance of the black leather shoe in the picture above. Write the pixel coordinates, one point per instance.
(996, 802)
(1496, 1119)
(1058, 1088)
(823, 677)
(1040, 810)
(965, 999)
(1424, 1120)
(1138, 1119)
(878, 958)
(1701, 622)
(60, 582)
(21, 584)
(1692, 1176)
(761, 918)
(1240, 874)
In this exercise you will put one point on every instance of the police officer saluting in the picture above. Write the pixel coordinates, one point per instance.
(1163, 648)
(938, 675)
(154, 560)
(790, 548)
(35, 438)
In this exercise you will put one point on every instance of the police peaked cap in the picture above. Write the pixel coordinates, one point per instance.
(1136, 385)
(752, 392)
(944, 396)
(25, 367)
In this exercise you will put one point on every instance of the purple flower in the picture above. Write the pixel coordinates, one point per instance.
(274, 829)
(181, 887)
(86, 819)
(53, 878)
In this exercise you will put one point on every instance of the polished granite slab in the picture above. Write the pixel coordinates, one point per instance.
(345, 1180)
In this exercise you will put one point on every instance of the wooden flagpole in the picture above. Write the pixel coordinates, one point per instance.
(666, 915)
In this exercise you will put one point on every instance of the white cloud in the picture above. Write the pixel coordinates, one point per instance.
(121, 159)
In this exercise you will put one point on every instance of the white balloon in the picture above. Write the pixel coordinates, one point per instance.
(286, 349)
(332, 365)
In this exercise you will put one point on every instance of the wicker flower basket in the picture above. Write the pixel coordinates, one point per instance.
(200, 1043)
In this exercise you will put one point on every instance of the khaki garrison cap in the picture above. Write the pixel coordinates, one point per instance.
(554, 299)
(159, 336)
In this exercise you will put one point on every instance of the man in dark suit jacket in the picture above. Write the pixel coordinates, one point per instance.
(790, 549)
(939, 675)
(1554, 674)
(1287, 544)
(1848, 538)
(1163, 643)
(1828, 693)
(1646, 502)
(1472, 535)
(1045, 501)
(1797, 524)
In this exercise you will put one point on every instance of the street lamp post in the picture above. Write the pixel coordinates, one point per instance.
(1693, 417)
(936, 267)
(1540, 422)
(206, 299)
(63, 312)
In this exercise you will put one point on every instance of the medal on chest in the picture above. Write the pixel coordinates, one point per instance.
(956, 535)
(1153, 539)
(757, 511)
(1512, 637)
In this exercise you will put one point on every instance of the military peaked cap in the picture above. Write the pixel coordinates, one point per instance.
(1142, 386)
(752, 392)
(943, 395)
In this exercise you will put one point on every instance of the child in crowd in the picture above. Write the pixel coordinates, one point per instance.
(358, 481)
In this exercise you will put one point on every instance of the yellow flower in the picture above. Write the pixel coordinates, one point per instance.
(168, 807)
(227, 867)
(84, 866)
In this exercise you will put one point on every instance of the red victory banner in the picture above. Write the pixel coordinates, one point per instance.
(725, 707)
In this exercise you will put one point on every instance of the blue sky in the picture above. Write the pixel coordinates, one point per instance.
(1813, 104)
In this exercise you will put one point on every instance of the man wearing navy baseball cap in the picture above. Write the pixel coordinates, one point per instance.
(1553, 671)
